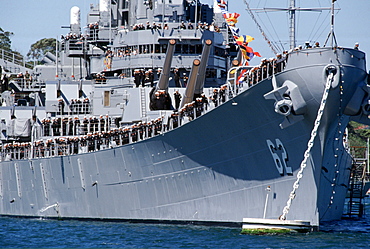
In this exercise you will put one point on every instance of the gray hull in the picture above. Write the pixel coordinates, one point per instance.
(217, 168)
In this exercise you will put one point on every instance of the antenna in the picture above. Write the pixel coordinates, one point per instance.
(292, 36)
(56, 55)
(292, 22)
(273, 48)
(333, 40)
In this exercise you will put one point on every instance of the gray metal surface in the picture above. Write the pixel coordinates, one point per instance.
(218, 167)
(238, 160)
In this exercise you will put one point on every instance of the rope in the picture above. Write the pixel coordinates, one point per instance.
(309, 146)
(260, 28)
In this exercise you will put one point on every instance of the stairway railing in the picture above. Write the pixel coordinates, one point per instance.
(15, 58)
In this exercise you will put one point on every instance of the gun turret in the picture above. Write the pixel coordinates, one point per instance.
(163, 79)
(190, 88)
(202, 68)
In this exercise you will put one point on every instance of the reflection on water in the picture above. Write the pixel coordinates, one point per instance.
(17, 232)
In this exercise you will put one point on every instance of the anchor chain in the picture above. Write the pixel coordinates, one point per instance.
(310, 144)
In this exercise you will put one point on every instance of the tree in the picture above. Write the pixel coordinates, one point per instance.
(5, 42)
(41, 47)
(358, 134)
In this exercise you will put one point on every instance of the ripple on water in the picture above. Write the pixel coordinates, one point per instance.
(39, 233)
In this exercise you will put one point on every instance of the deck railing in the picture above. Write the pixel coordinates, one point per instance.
(15, 59)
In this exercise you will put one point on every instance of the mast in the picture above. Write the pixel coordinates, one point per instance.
(196, 18)
(333, 40)
(56, 55)
(163, 14)
(110, 22)
(332, 24)
(292, 22)
(292, 10)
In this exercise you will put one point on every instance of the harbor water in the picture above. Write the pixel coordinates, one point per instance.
(41, 233)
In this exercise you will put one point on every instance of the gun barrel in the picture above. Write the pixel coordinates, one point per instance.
(164, 78)
(190, 88)
(202, 67)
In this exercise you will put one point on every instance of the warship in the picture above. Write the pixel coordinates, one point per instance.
(151, 116)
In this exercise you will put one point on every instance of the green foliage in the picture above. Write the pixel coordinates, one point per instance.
(5, 42)
(358, 134)
(41, 47)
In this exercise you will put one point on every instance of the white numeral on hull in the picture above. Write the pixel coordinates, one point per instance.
(280, 162)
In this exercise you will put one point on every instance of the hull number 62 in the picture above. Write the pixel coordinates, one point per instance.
(280, 156)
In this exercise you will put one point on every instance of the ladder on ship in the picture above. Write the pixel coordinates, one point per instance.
(356, 191)
(143, 102)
